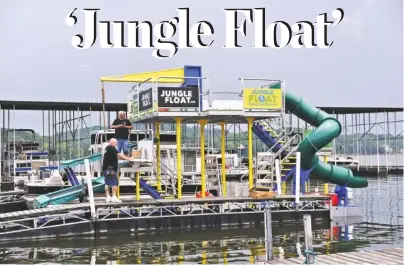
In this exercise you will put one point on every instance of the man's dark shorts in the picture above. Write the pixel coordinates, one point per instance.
(110, 180)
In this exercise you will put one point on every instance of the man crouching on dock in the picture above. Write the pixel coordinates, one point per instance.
(110, 169)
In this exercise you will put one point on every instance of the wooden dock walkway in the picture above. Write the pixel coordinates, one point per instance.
(383, 256)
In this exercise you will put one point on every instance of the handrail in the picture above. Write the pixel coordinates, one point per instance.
(287, 144)
(279, 126)
(257, 79)
(167, 181)
(272, 161)
(291, 151)
(169, 170)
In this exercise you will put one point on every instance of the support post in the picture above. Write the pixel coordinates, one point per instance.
(223, 147)
(268, 233)
(14, 151)
(1, 149)
(325, 184)
(250, 155)
(387, 145)
(377, 144)
(179, 158)
(278, 178)
(297, 186)
(308, 240)
(118, 188)
(158, 155)
(90, 187)
(137, 186)
(202, 124)
(284, 188)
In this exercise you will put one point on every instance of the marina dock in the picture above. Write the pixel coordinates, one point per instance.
(176, 181)
(153, 215)
(384, 256)
(370, 171)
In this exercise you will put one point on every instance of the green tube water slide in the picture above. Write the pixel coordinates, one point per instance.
(328, 128)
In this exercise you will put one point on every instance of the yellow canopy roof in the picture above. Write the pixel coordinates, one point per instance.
(151, 77)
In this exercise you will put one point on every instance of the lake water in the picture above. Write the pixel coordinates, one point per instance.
(380, 227)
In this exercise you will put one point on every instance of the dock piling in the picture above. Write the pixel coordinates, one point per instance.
(268, 233)
(308, 240)
(90, 188)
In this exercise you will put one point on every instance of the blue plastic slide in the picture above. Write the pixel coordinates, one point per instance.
(149, 189)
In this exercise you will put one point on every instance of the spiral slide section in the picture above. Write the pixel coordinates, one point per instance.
(328, 128)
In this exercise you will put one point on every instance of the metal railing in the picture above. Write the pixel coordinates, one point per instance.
(273, 158)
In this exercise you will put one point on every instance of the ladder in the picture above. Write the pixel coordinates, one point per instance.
(213, 176)
(265, 173)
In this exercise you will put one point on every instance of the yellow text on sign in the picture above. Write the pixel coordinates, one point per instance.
(262, 98)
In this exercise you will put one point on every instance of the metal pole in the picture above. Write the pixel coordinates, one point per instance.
(387, 147)
(43, 130)
(278, 177)
(352, 133)
(66, 124)
(395, 136)
(90, 187)
(14, 166)
(55, 144)
(8, 142)
(364, 131)
(345, 135)
(357, 137)
(49, 135)
(377, 144)
(268, 233)
(297, 185)
(308, 239)
(370, 141)
(1, 149)
(58, 137)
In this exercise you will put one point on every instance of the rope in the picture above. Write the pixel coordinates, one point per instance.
(307, 253)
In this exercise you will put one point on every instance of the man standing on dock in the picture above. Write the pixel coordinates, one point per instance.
(122, 128)
(110, 169)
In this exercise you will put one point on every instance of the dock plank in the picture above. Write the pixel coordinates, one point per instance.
(297, 260)
(391, 256)
(325, 259)
(383, 258)
(356, 256)
(346, 260)
(161, 202)
(391, 252)
(286, 262)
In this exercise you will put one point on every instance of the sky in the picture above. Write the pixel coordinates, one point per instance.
(364, 67)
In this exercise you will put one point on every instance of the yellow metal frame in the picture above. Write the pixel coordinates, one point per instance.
(250, 154)
(137, 186)
(202, 124)
(179, 157)
(223, 147)
(158, 151)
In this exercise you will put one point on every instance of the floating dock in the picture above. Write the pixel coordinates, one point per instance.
(137, 217)
(383, 256)
(371, 171)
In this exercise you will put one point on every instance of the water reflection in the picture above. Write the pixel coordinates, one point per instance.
(232, 247)
(381, 226)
